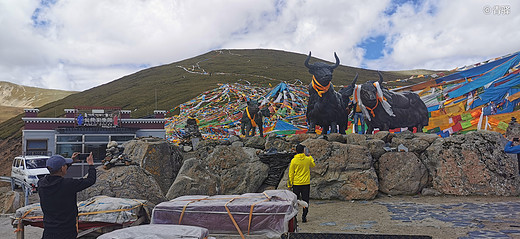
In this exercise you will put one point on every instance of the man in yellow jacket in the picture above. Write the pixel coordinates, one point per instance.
(300, 176)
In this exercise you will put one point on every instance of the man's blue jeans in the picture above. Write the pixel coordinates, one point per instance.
(359, 117)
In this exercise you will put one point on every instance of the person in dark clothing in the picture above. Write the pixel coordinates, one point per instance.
(513, 147)
(58, 197)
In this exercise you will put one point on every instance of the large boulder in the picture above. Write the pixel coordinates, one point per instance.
(158, 157)
(124, 182)
(472, 164)
(256, 142)
(415, 145)
(298, 138)
(343, 171)
(355, 138)
(513, 129)
(10, 200)
(375, 147)
(227, 170)
(401, 173)
(278, 143)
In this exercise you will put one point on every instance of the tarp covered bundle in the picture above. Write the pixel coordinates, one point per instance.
(268, 213)
(483, 96)
(99, 209)
(158, 231)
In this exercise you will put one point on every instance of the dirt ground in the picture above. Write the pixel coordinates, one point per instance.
(439, 217)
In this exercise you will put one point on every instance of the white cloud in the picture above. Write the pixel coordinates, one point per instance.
(80, 44)
(445, 34)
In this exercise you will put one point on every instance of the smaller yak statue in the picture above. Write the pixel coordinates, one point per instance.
(252, 118)
(386, 110)
(325, 107)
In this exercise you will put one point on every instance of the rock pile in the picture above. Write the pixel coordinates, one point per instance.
(348, 167)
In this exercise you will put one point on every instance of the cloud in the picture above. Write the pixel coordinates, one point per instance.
(79, 44)
(445, 34)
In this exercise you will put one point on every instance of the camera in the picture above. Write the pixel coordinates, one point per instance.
(515, 139)
(83, 156)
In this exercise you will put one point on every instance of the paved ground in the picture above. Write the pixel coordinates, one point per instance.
(439, 217)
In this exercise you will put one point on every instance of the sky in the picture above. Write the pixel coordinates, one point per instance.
(80, 44)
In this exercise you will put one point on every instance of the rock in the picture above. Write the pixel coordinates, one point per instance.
(335, 137)
(513, 129)
(407, 134)
(401, 173)
(430, 138)
(472, 164)
(278, 143)
(355, 138)
(213, 143)
(10, 200)
(227, 170)
(124, 182)
(187, 148)
(343, 171)
(194, 179)
(256, 142)
(158, 158)
(430, 192)
(237, 144)
(233, 138)
(298, 138)
(383, 135)
(375, 147)
(415, 145)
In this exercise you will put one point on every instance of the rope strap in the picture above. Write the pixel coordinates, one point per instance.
(318, 87)
(253, 123)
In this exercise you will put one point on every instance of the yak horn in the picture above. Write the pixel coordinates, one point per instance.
(337, 61)
(307, 60)
(355, 79)
(380, 78)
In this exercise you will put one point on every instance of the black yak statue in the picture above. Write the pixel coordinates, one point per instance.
(325, 107)
(252, 118)
(386, 110)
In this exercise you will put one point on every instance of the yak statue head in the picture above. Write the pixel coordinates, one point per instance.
(369, 92)
(253, 107)
(321, 71)
(346, 92)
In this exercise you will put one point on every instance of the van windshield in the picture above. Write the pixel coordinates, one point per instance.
(36, 163)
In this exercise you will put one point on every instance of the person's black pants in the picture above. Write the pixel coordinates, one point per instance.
(302, 192)
(59, 235)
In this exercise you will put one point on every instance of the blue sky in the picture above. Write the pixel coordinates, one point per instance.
(80, 44)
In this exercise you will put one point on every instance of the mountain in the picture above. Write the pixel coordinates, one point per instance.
(14, 98)
(165, 87)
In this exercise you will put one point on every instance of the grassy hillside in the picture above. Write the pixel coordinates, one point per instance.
(14, 98)
(178, 82)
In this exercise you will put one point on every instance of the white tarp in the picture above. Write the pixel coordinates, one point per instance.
(157, 231)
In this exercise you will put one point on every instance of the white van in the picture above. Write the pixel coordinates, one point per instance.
(30, 168)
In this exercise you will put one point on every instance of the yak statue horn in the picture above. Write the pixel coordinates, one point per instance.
(380, 78)
(355, 79)
(337, 61)
(307, 60)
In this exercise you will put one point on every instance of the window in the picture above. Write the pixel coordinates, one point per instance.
(66, 150)
(96, 138)
(122, 138)
(34, 146)
(98, 151)
(63, 138)
(36, 163)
